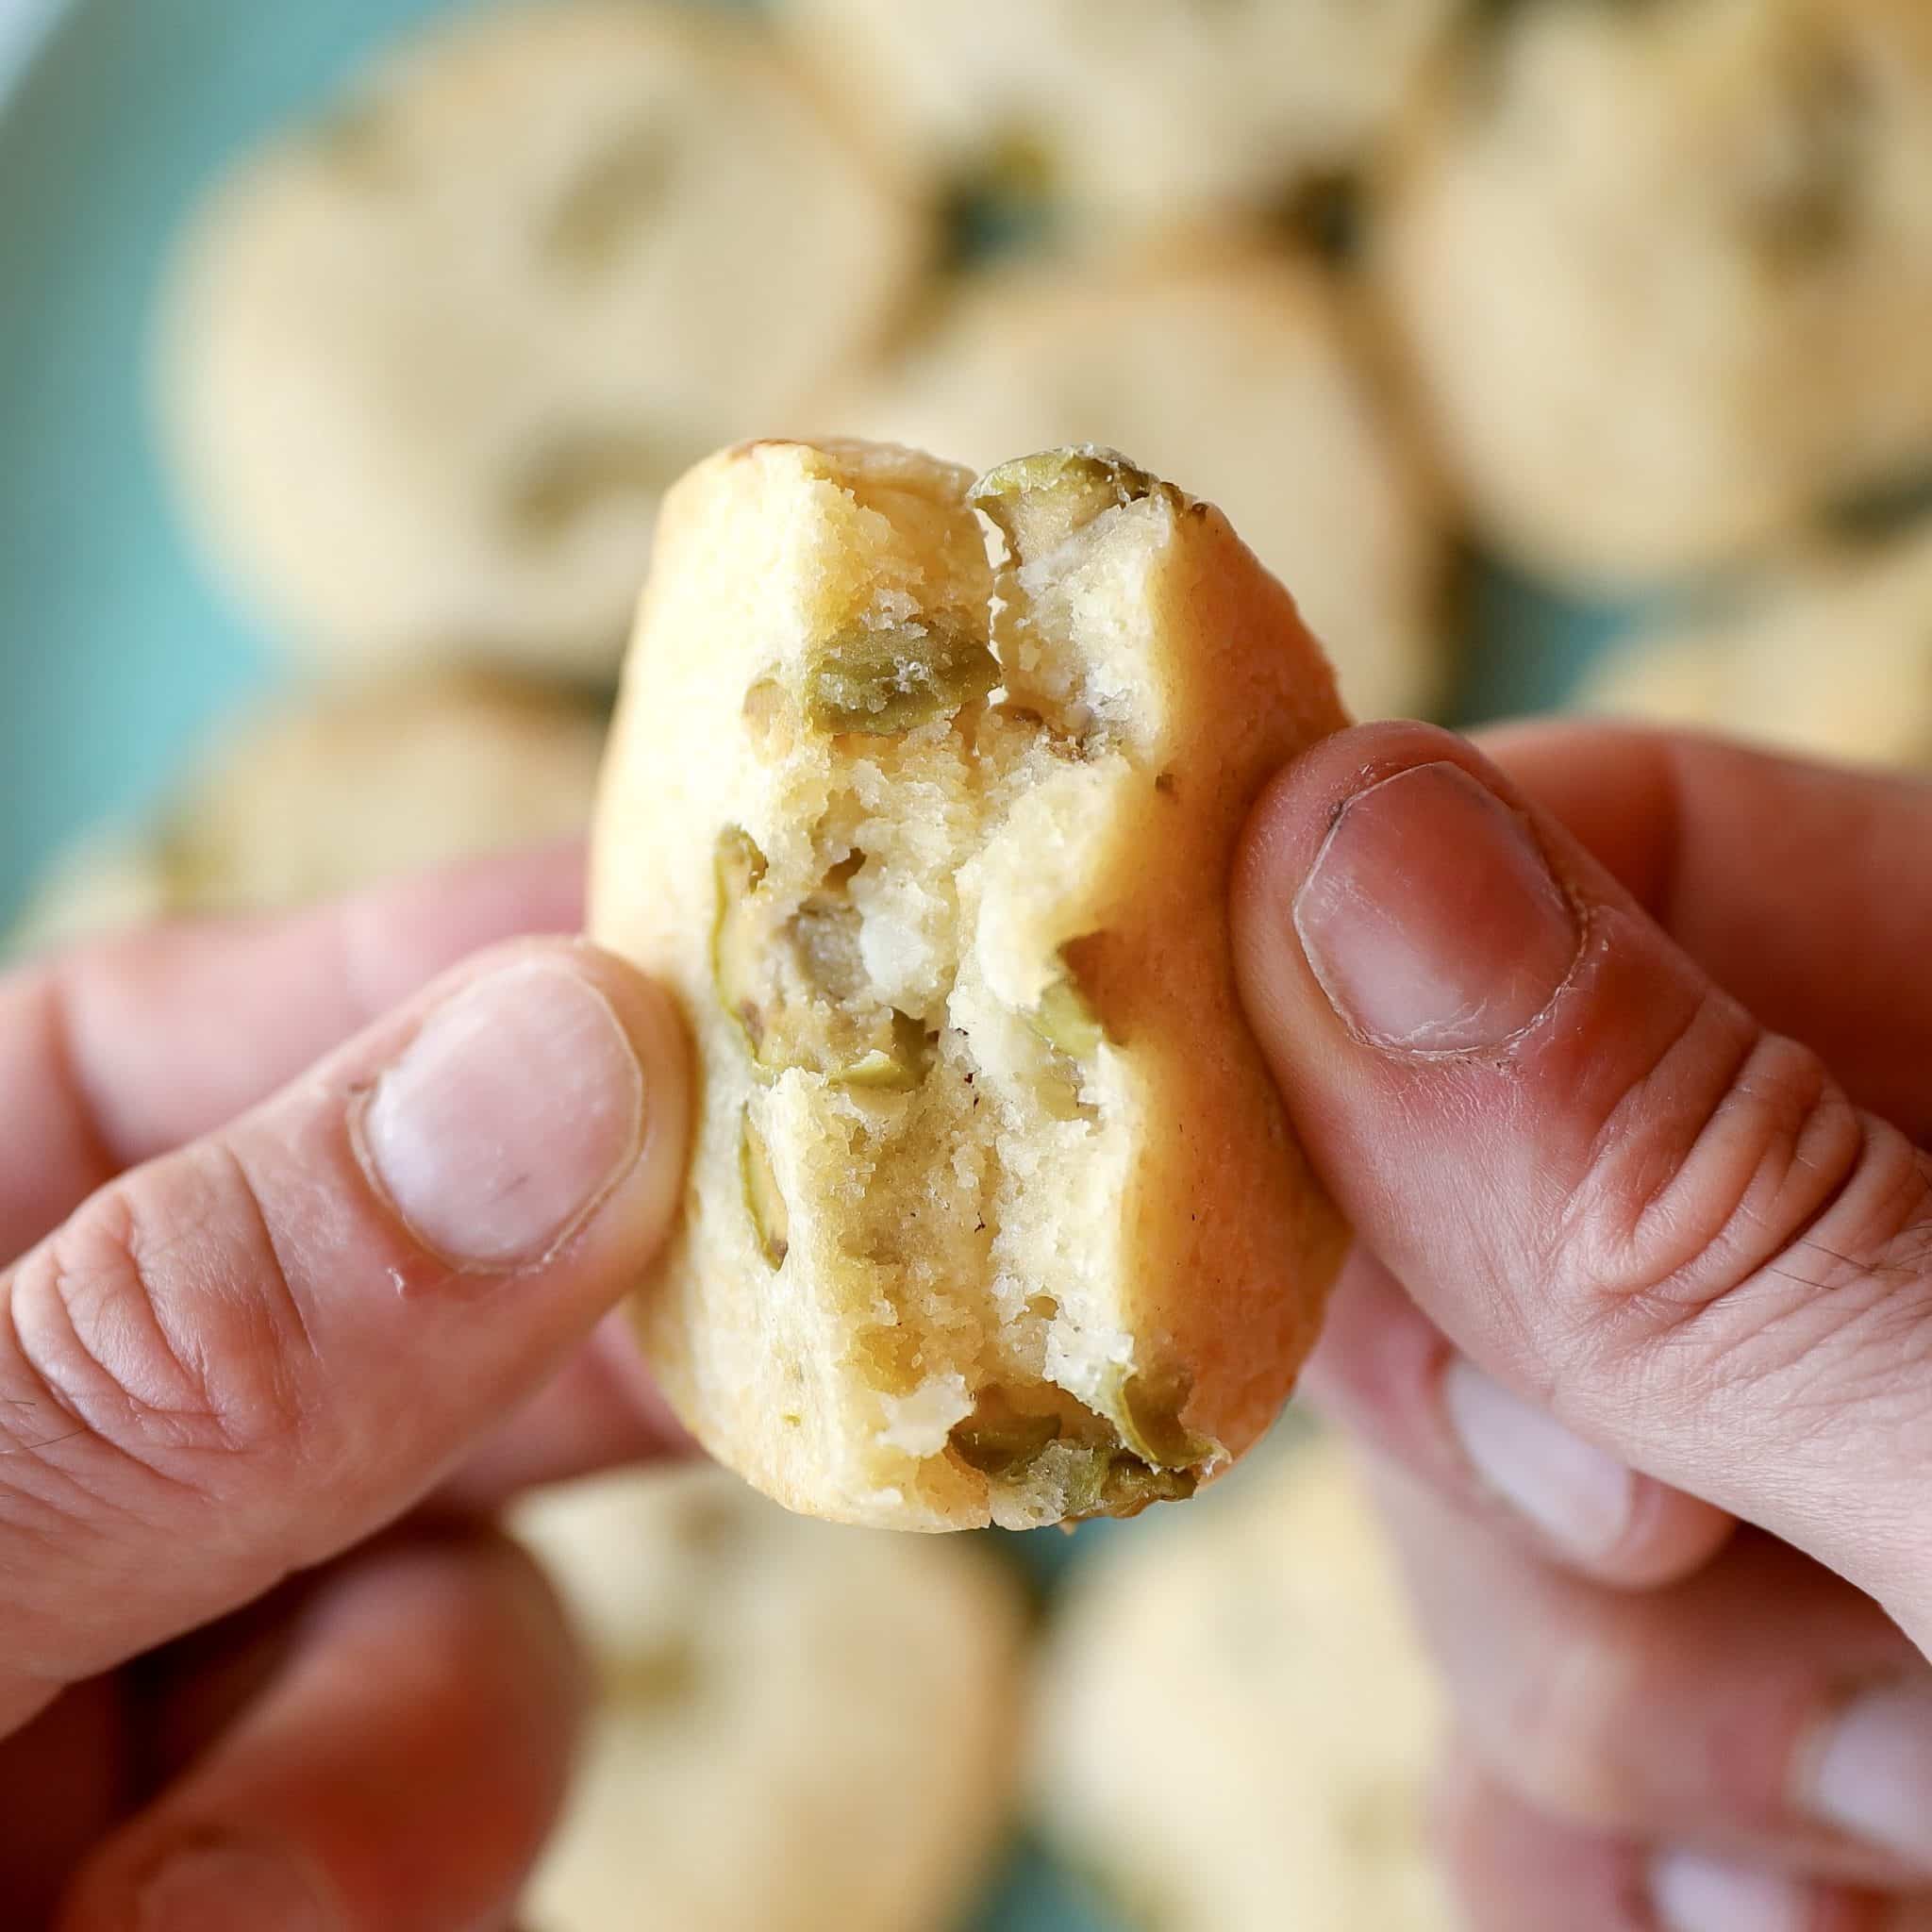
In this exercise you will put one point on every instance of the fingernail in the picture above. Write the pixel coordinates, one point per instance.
(1868, 1771)
(1431, 918)
(1691, 1893)
(231, 1889)
(1576, 1495)
(510, 1116)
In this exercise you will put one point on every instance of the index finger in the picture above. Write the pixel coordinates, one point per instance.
(116, 1052)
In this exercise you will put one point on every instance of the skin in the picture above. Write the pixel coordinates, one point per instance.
(1683, 1211)
(243, 1639)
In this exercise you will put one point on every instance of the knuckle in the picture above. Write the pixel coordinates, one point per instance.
(1560, 1723)
(155, 1332)
(1738, 1201)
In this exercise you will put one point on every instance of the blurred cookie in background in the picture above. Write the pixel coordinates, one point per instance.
(1831, 657)
(1136, 112)
(427, 363)
(1234, 370)
(323, 791)
(1665, 273)
(798, 1725)
(1237, 1723)
(105, 882)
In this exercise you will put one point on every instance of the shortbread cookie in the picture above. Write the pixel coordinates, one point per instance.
(994, 1213)
(1666, 272)
(799, 1726)
(1226, 364)
(430, 363)
(1236, 1722)
(103, 882)
(1139, 111)
(342, 788)
(327, 790)
(1832, 659)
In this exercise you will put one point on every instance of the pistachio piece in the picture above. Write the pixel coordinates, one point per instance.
(1129, 1486)
(896, 1068)
(1147, 1411)
(621, 190)
(770, 1217)
(737, 867)
(1038, 502)
(1120, 1484)
(1066, 1022)
(880, 682)
(999, 1439)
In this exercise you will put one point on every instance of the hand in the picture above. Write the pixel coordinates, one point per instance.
(1627, 1092)
(260, 1667)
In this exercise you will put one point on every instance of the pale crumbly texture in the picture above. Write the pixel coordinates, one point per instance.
(1136, 113)
(323, 791)
(797, 1725)
(1830, 658)
(428, 364)
(1665, 272)
(922, 798)
(1218, 360)
(1236, 1722)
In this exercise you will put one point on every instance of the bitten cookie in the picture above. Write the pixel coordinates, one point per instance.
(1215, 359)
(796, 1726)
(994, 1213)
(1832, 657)
(1140, 111)
(1236, 1721)
(428, 365)
(1665, 272)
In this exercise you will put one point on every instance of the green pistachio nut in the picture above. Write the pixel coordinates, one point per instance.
(738, 868)
(771, 1219)
(1039, 502)
(882, 682)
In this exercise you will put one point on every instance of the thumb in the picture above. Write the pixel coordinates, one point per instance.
(242, 1357)
(1613, 1188)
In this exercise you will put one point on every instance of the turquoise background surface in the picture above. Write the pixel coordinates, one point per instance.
(114, 651)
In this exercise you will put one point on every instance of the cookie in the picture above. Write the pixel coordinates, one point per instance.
(428, 364)
(321, 792)
(1665, 273)
(1137, 111)
(1226, 363)
(1831, 659)
(766, 1685)
(994, 1213)
(1236, 1722)
(103, 882)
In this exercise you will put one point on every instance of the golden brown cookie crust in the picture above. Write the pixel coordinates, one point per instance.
(922, 798)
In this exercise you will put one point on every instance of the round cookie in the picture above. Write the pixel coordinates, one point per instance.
(924, 798)
(1138, 110)
(323, 793)
(798, 1725)
(102, 883)
(1236, 1723)
(341, 788)
(428, 364)
(1665, 272)
(1230, 365)
(1832, 660)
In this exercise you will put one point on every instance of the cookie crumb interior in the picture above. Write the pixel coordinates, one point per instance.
(935, 1106)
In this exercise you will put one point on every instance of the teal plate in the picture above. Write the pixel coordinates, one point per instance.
(115, 653)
